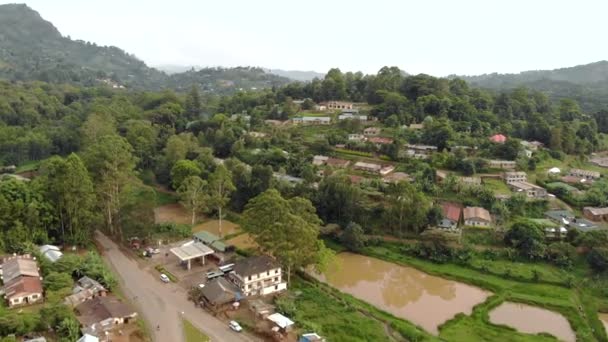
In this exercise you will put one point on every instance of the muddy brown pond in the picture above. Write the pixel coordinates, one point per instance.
(405, 292)
(533, 320)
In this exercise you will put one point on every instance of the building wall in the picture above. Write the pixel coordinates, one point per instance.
(25, 299)
(476, 223)
(262, 283)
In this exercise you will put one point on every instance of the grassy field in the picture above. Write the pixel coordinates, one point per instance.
(192, 334)
(539, 292)
(341, 317)
(498, 186)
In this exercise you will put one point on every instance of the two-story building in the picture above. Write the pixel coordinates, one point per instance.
(258, 276)
(515, 176)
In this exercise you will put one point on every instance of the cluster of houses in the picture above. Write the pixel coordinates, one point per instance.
(454, 214)
(97, 311)
(367, 167)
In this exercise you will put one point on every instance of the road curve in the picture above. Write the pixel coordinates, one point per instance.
(161, 305)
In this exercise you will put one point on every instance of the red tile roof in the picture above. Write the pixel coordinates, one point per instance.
(23, 285)
(452, 211)
(498, 138)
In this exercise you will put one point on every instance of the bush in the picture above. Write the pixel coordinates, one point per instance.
(598, 259)
(56, 281)
(172, 229)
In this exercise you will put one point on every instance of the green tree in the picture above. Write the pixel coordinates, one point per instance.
(111, 164)
(528, 238)
(69, 329)
(353, 237)
(69, 185)
(338, 200)
(220, 188)
(598, 259)
(407, 209)
(183, 169)
(286, 229)
(192, 193)
(97, 126)
(193, 105)
(57, 281)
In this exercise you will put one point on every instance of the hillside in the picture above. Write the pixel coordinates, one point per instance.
(31, 48)
(297, 75)
(587, 83)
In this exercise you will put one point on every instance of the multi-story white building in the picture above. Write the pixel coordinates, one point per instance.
(258, 276)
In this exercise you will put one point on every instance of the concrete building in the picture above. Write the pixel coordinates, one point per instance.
(372, 131)
(584, 174)
(356, 137)
(595, 214)
(337, 105)
(312, 120)
(351, 116)
(501, 164)
(529, 189)
(515, 176)
(476, 217)
(192, 250)
(374, 168)
(258, 275)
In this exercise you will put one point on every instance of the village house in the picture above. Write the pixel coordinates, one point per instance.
(19, 266)
(419, 151)
(498, 138)
(258, 275)
(274, 122)
(337, 105)
(102, 314)
(515, 176)
(50, 252)
(372, 131)
(85, 289)
(529, 189)
(595, 214)
(416, 127)
(374, 168)
(319, 160)
(531, 145)
(471, 181)
(351, 116)
(584, 174)
(219, 292)
(600, 161)
(23, 290)
(312, 120)
(356, 137)
(397, 177)
(378, 141)
(501, 164)
(332, 162)
(452, 212)
(476, 217)
(257, 134)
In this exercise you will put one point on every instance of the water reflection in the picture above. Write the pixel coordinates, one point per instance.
(532, 320)
(403, 291)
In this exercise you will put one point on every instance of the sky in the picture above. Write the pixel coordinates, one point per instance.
(437, 37)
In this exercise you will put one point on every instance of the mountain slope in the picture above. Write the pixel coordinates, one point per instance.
(31, 48)
(587, 83)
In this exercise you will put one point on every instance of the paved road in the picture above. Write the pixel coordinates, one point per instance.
(161, 304)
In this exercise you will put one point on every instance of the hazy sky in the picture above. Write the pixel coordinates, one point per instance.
(437, 37)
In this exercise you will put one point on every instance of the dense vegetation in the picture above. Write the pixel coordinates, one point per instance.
(33, 49)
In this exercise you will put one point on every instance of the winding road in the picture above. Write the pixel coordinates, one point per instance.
(162, 304)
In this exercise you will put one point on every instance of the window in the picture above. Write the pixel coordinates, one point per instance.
(16, 300)
(249, 286)
(276, 279)
(268, 272)
(35, 296)
(276, 271)
(249, 278)
(276, 287)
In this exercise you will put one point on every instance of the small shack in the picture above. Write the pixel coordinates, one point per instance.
(284, 323)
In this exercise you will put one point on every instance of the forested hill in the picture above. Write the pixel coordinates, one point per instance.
(588, 84)
(31, 48)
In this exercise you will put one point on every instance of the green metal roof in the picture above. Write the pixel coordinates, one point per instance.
(219, 246)
(206, 237)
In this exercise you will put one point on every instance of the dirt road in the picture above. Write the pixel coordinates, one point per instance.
(162, 304)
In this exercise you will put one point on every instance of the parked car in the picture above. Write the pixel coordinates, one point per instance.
(234, 325)
(164, 278)
(214, 274)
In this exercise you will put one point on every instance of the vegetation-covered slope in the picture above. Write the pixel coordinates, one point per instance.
(31, 48)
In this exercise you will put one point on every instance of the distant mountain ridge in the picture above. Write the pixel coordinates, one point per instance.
(588, 83)
(298, 75)
(31, 48)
